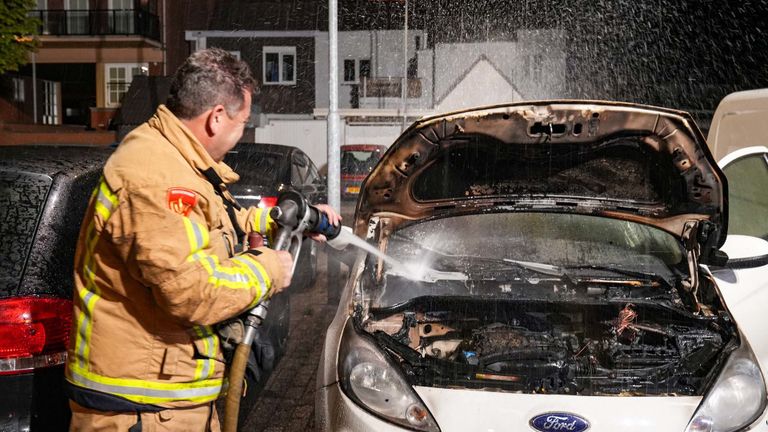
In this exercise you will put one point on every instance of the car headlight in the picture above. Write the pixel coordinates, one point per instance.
(369, 378)
(738, 397)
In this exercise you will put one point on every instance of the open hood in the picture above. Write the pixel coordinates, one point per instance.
(626, 161)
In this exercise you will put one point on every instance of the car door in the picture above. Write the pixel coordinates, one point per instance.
(747, 173)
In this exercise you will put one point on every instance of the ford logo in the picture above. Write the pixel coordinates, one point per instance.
(559, 421)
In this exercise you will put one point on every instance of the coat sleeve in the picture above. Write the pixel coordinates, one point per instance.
(255, 219)
(173, 255)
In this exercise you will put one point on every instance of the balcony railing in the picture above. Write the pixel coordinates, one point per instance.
(389, 87)
(98, 22)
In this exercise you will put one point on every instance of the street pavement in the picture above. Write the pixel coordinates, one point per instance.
(287, 402)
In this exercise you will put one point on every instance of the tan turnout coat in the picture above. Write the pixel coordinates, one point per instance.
(155, 269)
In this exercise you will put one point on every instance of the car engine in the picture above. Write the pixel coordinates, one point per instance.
(611, 347)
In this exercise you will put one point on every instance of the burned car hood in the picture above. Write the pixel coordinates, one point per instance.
(625, 161)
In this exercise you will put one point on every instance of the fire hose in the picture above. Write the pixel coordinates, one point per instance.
(294, 218)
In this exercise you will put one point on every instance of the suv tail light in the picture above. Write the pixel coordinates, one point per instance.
(34, 332)
(267, 201)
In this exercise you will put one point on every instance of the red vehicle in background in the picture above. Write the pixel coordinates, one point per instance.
(357, 160)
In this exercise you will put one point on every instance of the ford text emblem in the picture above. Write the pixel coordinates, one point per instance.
(559, 421)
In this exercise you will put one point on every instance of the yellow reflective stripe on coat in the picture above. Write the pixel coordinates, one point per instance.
(238, 275)
(147, 392)
(205, 366)
(263, 222)
(258, 272)
(104, 203)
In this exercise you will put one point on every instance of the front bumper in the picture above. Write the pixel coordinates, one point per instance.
(463, 410)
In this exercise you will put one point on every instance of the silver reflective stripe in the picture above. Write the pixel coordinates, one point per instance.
(254, 269)
(198, 235)
(83, 329)
(189, 393)
(263, 220)
(105, 201)
(237, 277)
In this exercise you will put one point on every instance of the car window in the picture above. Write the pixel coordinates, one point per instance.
(22, 198)
(299, 169)
(312, 174)
(254, 167)
(358, 161)
(748, 196)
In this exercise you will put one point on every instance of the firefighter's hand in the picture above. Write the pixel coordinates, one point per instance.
(333, 217)
(286, 264)
(278, 265)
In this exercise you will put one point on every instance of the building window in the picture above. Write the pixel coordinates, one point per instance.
(118, 80)
(18, 90)
(121, 18)
(279, 65)
(77, 16)
(50, 103)
(354, 70)
(365, 68)
(350, 74)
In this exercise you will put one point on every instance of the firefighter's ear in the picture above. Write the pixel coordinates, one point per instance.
(215, 121)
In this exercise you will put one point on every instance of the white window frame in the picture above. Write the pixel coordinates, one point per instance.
(18, 90)
(128, 79)
(51, 102)
(280, 51)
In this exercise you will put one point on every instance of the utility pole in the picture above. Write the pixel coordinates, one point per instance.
(334, 137)
(404, 82)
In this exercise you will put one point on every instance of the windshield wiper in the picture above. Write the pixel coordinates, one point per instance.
(640, 275)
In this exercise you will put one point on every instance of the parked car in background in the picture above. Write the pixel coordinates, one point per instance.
(267, 169)
(44, 192)
(357, 161)
(557, 266)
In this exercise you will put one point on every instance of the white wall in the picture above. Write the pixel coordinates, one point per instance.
(310, 135)
(383, 47)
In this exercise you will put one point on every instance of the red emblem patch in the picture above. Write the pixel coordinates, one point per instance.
(181, 200)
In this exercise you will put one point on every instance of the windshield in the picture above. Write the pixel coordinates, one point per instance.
(358, 161)
(22, 197)
(525, 248)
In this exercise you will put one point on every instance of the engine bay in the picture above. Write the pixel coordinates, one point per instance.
(571, 347)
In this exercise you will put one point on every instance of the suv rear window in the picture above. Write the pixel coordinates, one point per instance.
(255, 168)
(22, 198)
(358, 161)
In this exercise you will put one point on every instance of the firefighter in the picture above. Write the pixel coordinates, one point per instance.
(156, 263)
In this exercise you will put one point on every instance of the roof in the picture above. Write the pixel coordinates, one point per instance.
(263, 148)
(142, 99)
(52, 160)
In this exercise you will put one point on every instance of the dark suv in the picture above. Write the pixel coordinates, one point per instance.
(44, 192)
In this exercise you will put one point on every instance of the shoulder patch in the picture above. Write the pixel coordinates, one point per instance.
(181, 200)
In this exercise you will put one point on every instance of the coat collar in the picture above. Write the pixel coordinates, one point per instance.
(190, 148)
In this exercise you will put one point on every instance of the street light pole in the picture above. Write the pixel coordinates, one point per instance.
(334, 138)
(404, 82)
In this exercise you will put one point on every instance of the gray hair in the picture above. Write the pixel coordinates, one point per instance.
(208, 78)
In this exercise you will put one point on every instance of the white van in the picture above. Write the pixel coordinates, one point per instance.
(738, 139)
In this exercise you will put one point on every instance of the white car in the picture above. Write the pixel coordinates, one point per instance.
(552, 266)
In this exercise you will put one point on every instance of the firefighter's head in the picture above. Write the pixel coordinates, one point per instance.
(211, 94)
